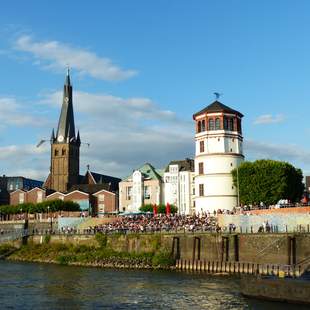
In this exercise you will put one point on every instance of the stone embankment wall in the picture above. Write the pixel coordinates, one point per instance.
(255, 248)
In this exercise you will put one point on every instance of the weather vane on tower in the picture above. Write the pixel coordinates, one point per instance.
(217, 95)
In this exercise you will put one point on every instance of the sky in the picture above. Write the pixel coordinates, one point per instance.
(141, 69)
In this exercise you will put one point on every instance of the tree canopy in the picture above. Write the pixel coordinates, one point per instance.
(268, 181)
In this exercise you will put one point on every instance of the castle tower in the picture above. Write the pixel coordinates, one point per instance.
(65, 146)
(218, 151)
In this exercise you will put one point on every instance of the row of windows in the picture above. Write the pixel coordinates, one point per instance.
(217, 123)
(201, 167)
(147, 193)
(202, 145)
(64, 152)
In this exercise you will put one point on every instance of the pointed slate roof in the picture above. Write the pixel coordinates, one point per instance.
(217, 106)
(66, 127)
(148, 172)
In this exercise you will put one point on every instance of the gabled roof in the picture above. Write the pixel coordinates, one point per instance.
(97, 178)
(217, 106)
(186, 164)
(92, 188)
(148, 172)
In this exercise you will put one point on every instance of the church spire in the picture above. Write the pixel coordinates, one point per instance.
(66, 128)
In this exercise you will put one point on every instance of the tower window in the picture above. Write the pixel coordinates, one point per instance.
(199, 126)
(231, 124)
(200, 168)
(56, 152)
(211, 124)
(202, 146)
(63, 152)
(225, 123)
(217, 124)
(203, 125)
(201, 190)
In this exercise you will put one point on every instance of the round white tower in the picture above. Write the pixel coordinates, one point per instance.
(218, 142)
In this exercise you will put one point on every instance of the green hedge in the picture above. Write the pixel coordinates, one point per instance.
(42, 207)
(160, 208)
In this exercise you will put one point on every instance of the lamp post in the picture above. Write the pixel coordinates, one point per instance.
(48, 208)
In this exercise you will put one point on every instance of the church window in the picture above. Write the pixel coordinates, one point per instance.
(200, 168)
(56, 152)
(225, 123)
(217, 124)
(201, 189)
(203, 125)
(202, 146)
(211, 124)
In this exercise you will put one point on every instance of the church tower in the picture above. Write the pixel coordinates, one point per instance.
(65, 146)
(218, 151)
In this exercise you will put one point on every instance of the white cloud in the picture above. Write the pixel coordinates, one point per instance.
(55, 55)
(288, 152)
(269, 119)
(13, 113)
(123, 133)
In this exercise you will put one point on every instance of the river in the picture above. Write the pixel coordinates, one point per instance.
(44, 286)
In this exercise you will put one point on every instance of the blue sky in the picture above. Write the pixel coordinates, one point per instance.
(140, 69)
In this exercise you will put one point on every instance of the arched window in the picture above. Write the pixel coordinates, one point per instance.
(63, 152)
(217, 124)
(211, 124)
(203, 125)
(231, 124)
(56, 152)
(199, 126)
(225, 123)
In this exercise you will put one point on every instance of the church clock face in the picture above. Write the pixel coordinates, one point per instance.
(60, 138)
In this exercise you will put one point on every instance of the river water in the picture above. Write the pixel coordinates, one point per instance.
(44, 286)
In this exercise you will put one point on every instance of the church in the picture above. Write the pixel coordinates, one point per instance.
(93, 191)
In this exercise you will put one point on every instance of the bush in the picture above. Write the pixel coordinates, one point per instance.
(160, 208)
(162, 259)
(101, 239)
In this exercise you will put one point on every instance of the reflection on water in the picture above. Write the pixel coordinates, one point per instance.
(40, 286)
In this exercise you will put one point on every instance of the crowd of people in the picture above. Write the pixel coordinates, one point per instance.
(145, 223)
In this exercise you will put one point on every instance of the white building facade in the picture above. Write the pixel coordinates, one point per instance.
(218, 150)
(143, 187)
(179, 185)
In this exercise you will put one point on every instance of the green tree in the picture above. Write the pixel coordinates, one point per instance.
(268, 181)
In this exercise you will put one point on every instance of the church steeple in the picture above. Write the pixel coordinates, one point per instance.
(65, 146)
(66, 127)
